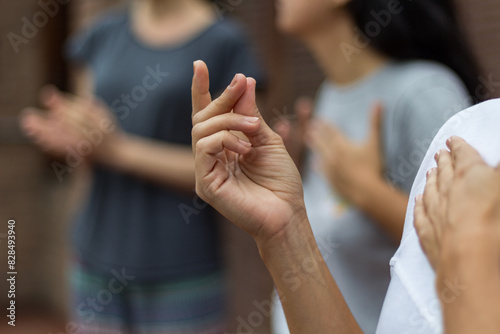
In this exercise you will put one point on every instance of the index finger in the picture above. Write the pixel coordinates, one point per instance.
(445, 172)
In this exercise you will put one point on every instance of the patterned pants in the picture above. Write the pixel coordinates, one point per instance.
(114, 303)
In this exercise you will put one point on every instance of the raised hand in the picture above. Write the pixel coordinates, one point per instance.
(253, 183)
(71, 122)
(461, 200)
(293, 131)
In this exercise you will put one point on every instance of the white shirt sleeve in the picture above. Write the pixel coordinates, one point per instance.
(412, 304)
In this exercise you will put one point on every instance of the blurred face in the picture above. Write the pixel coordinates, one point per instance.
(299, 17)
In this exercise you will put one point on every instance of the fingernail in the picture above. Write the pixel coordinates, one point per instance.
(418, 197)
(251, 120)
(436, 156)
(449, 141)
(244, 142)
(194, 66)
(235, 80)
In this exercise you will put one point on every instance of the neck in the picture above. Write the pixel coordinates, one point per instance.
(159, 9)
(342, 67)
(169, 22)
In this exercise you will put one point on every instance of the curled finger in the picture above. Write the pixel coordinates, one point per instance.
(208, 148)
(229, 122)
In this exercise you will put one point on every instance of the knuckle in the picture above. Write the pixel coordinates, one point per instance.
(195, 130)
(201, 145)
(196, 118)
(209, 192)
(200, 191)
(226, 135)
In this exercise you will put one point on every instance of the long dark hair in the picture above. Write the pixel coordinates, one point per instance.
(422, 29)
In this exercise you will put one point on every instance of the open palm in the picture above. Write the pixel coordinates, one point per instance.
(250, 179)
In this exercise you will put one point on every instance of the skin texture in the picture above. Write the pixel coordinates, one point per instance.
(255, 184)
(458, 223)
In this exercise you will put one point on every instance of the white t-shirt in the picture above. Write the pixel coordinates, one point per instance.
(411, 304)
(418, 98)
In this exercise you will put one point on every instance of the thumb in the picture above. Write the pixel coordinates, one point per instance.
(51, 97)
(247, 106)
(376, 124)
(200, 89)
(304, 109)
(283, 127)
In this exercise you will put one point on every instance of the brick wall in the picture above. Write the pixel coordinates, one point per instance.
(28, 192)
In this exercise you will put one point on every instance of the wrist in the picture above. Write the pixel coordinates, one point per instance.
(113, 151)
(291, 235)
(372, 186)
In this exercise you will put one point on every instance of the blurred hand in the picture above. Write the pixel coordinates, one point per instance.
(349, 166)
(461, 200)
(293, 131)
(84, 125)
(253, 183)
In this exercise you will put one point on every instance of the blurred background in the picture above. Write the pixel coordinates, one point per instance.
(43, 207)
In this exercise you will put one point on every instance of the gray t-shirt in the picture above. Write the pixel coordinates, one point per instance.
(152, 231)
(418, 97)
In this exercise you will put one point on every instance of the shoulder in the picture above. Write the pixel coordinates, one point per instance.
(228, 33)
(428, 86)
(477, 117)
(416, 77)
(85, 44)
(108, 23)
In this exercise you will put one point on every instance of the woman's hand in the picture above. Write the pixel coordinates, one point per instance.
(350, 167)
(461, 202)
(84, 125)
(253, 183)
(293, 130)
(458, 223)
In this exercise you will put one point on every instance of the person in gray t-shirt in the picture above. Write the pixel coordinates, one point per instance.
(143, 237)
(396, 71)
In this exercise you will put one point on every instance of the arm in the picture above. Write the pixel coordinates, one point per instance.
(385, 204)
(474, 268)
(255, 184)
(171, 165)
(311, 298)
(458, 223)
(168, 164)
(72, 120)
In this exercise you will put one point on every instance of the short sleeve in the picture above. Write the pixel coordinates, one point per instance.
(83, 47)
(426, 105)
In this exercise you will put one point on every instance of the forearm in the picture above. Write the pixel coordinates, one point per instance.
(386, 205)
(468, 283)
(167, 164)
(309, 294)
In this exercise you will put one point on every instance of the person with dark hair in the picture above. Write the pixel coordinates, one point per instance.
(395, 72)
(255, 184)
(146, 248)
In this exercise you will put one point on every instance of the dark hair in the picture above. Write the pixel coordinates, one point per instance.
(420, 29)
